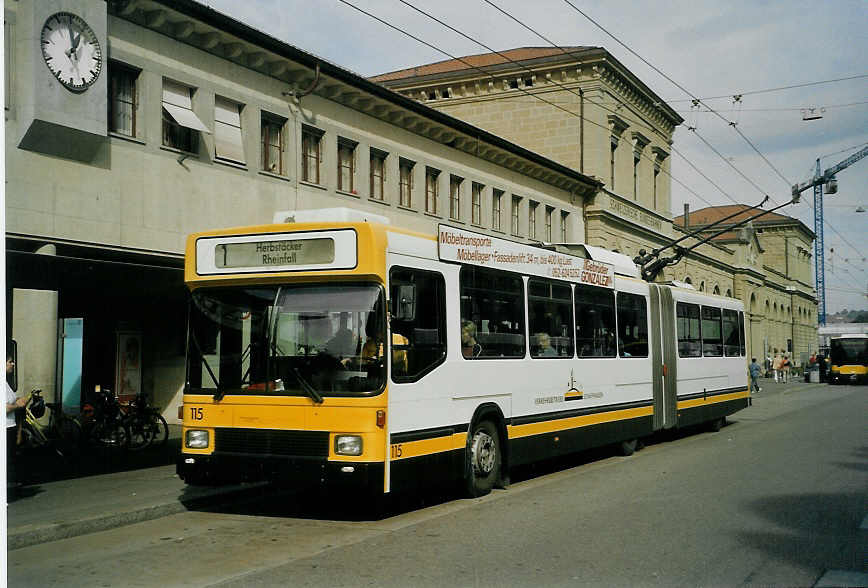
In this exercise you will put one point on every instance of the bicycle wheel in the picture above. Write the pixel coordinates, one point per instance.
(141, 432)
(111, 434)
(161, 428)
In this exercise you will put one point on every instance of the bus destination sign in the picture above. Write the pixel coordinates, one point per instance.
(483, 250)
(287, 252)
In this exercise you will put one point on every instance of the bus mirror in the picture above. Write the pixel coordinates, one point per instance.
(12, 353)
(404, 303)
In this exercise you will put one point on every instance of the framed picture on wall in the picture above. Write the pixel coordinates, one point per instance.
(128, 367)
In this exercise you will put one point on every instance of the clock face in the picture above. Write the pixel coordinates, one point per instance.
(71, 51)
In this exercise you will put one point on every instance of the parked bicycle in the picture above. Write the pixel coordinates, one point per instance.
(104, 423)
(147, 425)
(62, 433)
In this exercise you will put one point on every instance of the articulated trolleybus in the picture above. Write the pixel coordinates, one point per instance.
(339, 350)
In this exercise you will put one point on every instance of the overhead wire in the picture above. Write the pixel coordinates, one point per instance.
(578, 95)
(778, 89)
(490, 75)
(686, 91)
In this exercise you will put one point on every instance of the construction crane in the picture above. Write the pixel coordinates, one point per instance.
(826, 178)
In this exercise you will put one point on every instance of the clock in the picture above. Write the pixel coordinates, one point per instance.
(71, 51)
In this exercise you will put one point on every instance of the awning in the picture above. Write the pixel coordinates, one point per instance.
(185, 117)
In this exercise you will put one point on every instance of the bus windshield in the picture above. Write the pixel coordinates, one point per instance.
(849, 351)
(289, 340)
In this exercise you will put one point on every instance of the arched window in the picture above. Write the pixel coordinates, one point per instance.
(702, 286)
(687, 280)
(716, 290)
(729, 293)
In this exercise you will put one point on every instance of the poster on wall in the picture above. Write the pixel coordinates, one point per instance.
(128, 372)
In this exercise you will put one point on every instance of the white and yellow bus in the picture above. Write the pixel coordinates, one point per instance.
(337, 349)
(848, 359)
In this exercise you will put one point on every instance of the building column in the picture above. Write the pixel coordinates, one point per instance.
(34, 327)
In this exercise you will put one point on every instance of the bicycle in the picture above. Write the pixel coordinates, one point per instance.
(146, 422)
(104, 423)
(63, 432)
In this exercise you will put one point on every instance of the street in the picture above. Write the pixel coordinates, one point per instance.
(777, 497)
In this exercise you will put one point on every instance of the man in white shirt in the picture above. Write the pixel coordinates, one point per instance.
(13, 403)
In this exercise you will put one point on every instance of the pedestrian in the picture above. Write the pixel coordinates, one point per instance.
(755, 370)
(776, 367)
(13, 403)
(785, 369)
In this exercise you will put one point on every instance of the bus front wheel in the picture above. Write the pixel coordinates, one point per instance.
(483, 459)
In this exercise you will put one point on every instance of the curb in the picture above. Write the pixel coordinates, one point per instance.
(28, 535)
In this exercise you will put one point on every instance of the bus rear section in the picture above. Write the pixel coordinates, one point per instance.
(848, 359)
(286, 372)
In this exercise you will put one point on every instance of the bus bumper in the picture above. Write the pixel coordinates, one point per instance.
(297, 472)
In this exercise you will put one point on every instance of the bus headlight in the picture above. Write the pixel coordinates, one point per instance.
(196, 439)
(348, 445)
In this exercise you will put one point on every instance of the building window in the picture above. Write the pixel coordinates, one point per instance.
(516, 205)
(228, 142)
(346, 165)
(476, 204)
(378, 174)
(548, 219)
(181, 126)
(635, 178)
(455, 197)
(565, 225)
(656, 175)
(311, 154)
(431, 177)
(496, 211)
(272, 144)
(406, 170)
(531, 219)
(613, 146)
(123, 99)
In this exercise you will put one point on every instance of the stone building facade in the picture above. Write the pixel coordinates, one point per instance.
(181, 120)
(583, 108)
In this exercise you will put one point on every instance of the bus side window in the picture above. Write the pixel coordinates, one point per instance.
(632, 325)
(595, 321)
(492, 314)
(418, 340)
(712, 340)
(688, 326)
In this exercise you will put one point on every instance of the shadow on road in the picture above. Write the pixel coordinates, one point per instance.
(816, 531)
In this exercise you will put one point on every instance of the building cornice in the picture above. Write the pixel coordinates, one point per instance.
(210, 31)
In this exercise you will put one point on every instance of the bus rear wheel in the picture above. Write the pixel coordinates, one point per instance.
(483, 459)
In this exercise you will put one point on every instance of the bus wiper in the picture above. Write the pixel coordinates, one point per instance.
(219, 394)
(311, 391)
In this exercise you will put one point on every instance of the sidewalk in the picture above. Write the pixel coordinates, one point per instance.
(67, 508)
(92, 492)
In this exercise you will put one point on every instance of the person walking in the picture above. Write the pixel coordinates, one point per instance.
(785, 369)
(776, 367)
(755, 371)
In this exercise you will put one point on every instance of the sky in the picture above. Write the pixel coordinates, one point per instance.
(707, 47)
